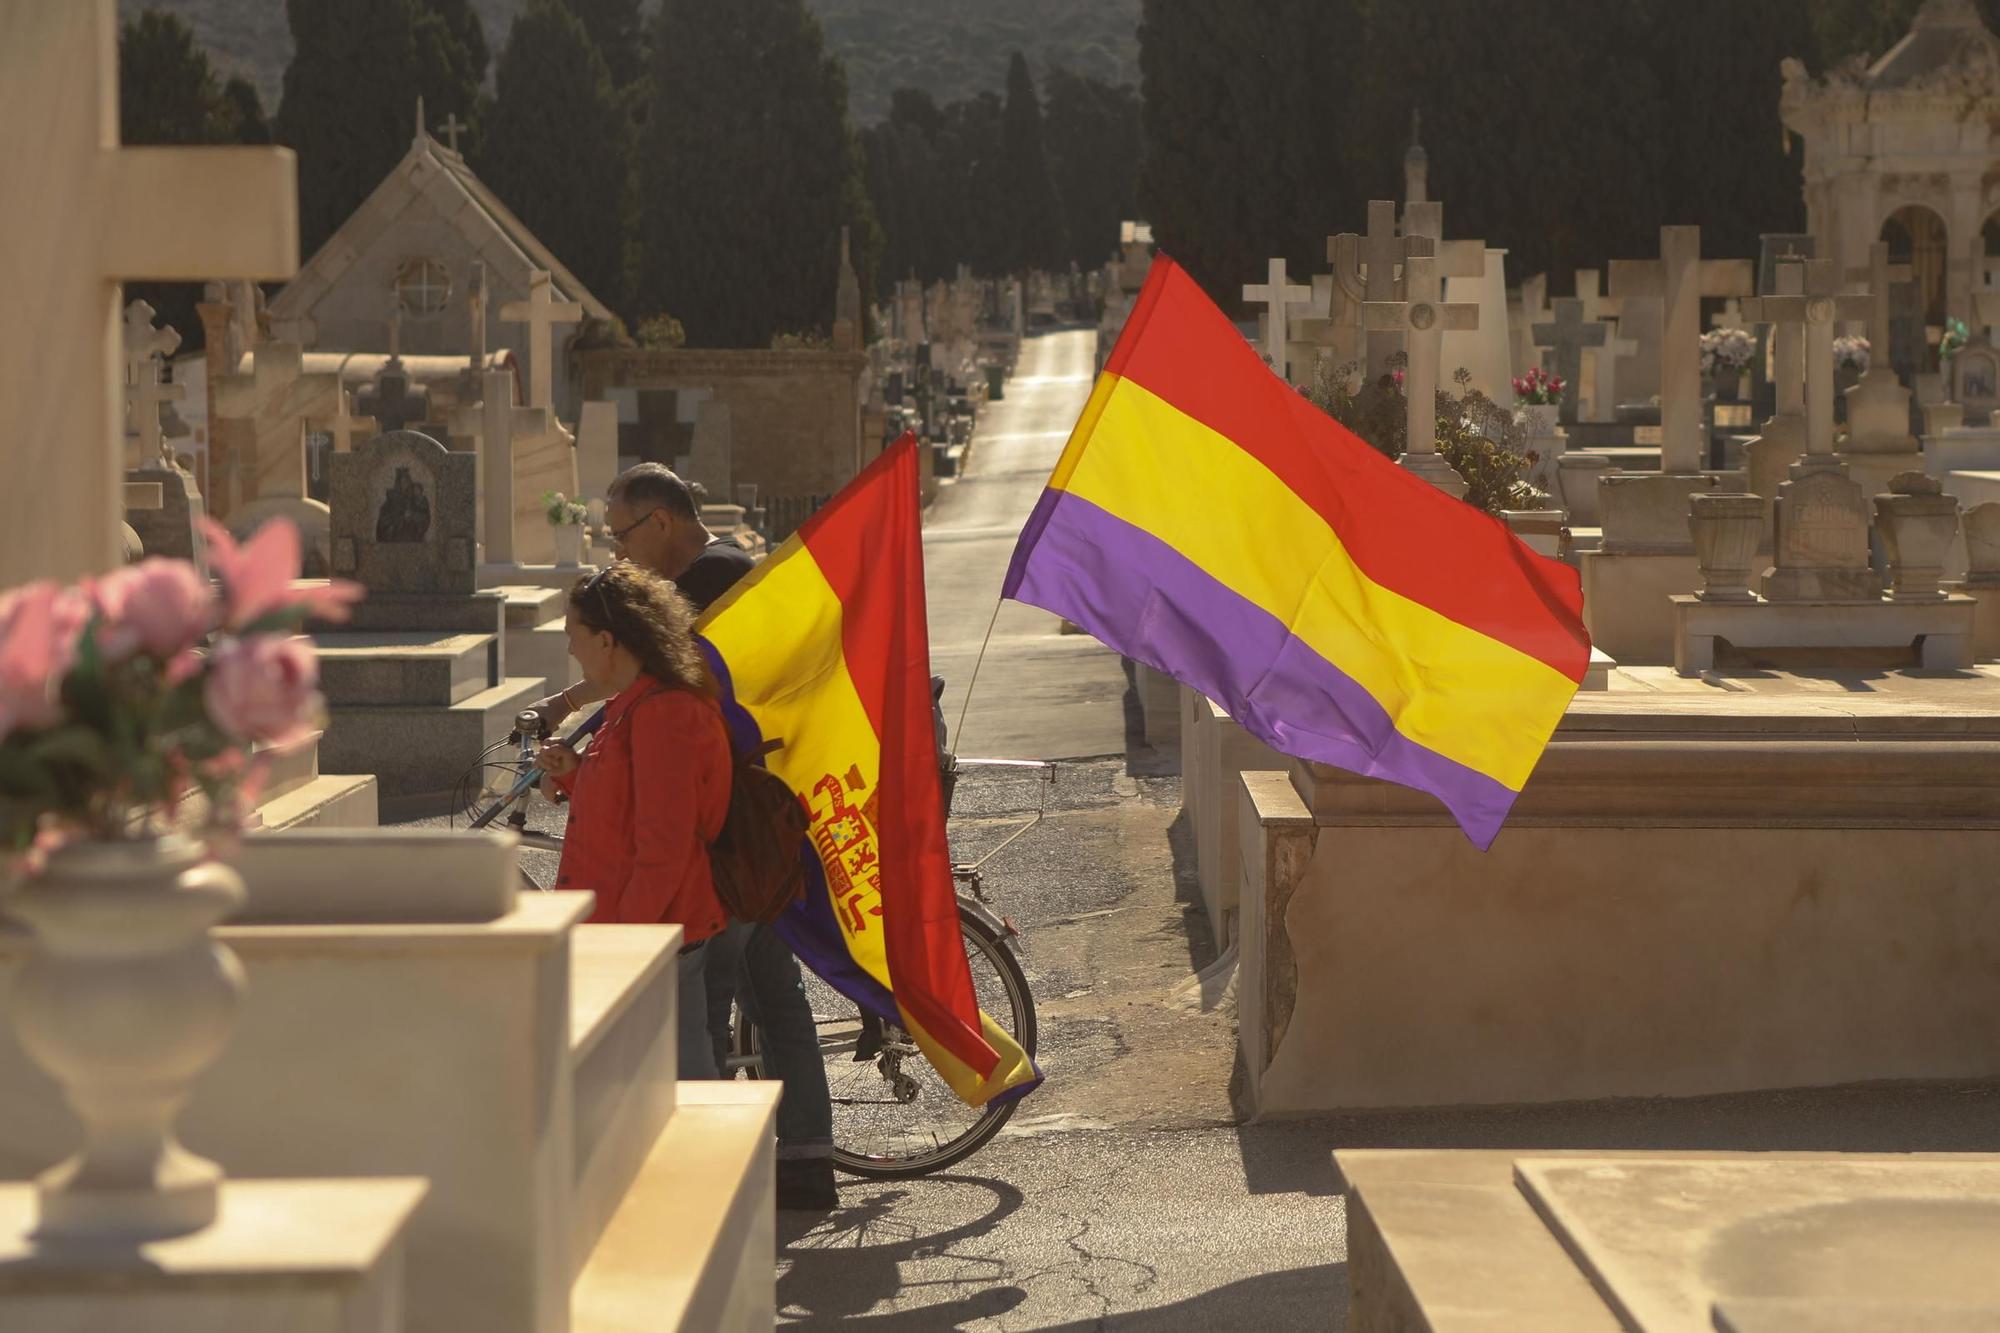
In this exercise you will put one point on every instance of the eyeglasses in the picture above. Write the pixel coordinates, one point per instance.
(595, 583)
(620, 534)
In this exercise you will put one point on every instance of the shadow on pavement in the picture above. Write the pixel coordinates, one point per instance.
(1313, 1297)
(849, 1261)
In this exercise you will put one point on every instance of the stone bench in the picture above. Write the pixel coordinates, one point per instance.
(1939, 633)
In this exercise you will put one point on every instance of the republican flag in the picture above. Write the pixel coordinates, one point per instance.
(825, 646)
(1207, 520)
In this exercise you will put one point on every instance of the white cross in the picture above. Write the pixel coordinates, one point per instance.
(1595, 305)
(1818, 309)
(143, 342)
(1423, 318)
(82, 213)
(1729, 317)
(1365, 267)
(1879, 276)
(143, 399)
(343, 425)
(1278, 295)
(1455, 259)
(1788, 367)
(451, 127)
(541, 312)
(1680, 277)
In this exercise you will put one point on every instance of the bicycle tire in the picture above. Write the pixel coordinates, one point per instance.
(994, 949)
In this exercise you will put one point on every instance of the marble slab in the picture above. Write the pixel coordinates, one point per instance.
(1667, 1243)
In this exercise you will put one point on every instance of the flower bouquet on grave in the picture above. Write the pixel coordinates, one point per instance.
(1727, 351)
(1538, 388)
(122, 698)
(563, 511)
(1956, 336)
(1851, 353)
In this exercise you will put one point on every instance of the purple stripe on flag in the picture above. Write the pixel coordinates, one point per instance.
(1140, 596)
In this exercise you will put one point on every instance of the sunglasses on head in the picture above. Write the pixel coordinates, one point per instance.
(595, 583)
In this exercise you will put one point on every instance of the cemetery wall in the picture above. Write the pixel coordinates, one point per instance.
(795, 415)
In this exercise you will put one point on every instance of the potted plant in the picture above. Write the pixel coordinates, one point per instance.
(1725, 358)
(1538, 397)
(566, 516)
(133, 708)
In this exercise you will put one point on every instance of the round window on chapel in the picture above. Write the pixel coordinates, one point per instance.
(423, 286)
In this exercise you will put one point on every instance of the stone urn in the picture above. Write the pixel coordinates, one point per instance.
(1729, 384)
(569, 543)
(124, 1001)
(1917, 523)
(1727, 529)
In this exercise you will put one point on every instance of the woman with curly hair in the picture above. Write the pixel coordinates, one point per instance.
(651, 791)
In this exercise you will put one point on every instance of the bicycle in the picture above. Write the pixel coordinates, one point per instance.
(894, 1117)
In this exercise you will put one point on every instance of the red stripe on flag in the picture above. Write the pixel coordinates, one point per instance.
(868, 545)
(1405, 534)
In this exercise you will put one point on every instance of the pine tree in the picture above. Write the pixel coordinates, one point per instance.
(350, 93)
(1035, 232)
(168, 94)
(559, 145)
(748, 172)
(1095, 138)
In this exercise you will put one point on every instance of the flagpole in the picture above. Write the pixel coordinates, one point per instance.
(959, 730)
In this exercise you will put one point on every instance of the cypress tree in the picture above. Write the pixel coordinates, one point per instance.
(749, 171)
(1095, 140)
(350, 93)
(558, 145)
(1035, 236)
(618, 30)
(168, 94)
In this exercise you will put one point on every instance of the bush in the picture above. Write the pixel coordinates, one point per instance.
(1477, 436)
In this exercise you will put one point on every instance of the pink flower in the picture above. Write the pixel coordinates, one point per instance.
(258, 575)
(39, 628)
(162, 606)
(263, 688)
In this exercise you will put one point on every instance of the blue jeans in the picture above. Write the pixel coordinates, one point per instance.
(696, 1058)
(752, 966)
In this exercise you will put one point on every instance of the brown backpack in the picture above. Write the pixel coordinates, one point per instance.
(758, 858)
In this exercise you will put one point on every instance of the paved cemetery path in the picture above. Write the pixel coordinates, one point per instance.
(1040, 694)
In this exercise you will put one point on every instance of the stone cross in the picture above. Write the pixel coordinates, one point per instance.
(1589, 283)
(1729, 317)
(83, 213)
(143, 399)
(343, 426)
(1278, 295)
(541, 312)
(1877, 278)
(1567, 336)
(1788, 360)
(1455, 259)
(395, 327)
(271, 403)
(1818, 308)
(1423, 318)
(391, 400)
(1679, 278)
(1366, 268)
(143, 342)
(451, 128)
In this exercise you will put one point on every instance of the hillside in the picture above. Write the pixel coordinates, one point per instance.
(949, 48)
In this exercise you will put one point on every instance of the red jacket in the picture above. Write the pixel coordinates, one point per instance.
(648, 798)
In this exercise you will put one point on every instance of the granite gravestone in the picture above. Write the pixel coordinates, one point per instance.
(405, 515)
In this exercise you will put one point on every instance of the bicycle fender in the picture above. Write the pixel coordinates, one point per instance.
(993, 921)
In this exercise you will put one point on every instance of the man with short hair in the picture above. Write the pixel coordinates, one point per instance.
(655, 524)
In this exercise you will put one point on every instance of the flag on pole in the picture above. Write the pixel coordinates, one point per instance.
(825, 646)
(1209, 521)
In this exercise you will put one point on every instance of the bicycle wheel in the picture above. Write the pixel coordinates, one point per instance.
(893, 1116)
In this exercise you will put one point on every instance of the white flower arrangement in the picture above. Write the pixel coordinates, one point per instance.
(1851, 354)
(1727, 349)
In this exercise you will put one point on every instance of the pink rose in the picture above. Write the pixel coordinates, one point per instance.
(258, 575)
(263, 688)
(162, 606)
(40, 625)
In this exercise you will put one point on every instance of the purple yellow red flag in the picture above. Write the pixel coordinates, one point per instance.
(826, 646)
(1209, 521)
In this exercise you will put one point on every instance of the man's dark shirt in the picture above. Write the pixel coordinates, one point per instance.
(714, 572)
